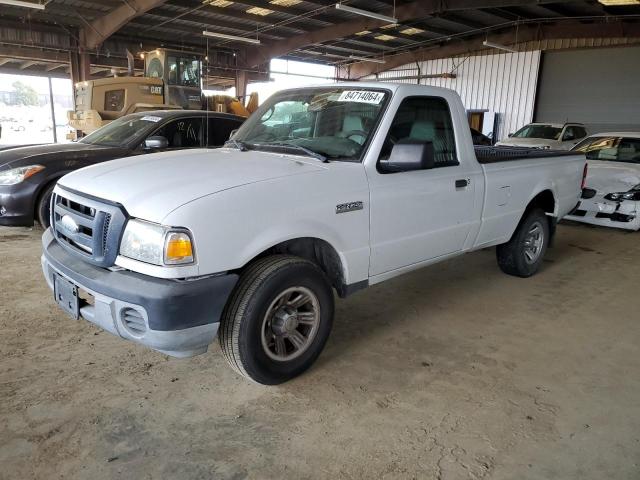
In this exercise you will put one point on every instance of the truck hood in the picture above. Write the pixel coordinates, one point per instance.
(528, 142)
(612, 177)
(152, 186)
(42, 154)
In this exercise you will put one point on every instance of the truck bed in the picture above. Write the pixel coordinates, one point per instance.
(486, 154)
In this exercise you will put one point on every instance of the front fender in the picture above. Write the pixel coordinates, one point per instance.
(232, 227)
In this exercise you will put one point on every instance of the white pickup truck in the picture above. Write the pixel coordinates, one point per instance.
(323, 188)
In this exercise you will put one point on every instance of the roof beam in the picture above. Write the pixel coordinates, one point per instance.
(526, 33)
(103, 27)
(404, 13)
(28, 64)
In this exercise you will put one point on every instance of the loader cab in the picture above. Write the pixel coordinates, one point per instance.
(181, 73)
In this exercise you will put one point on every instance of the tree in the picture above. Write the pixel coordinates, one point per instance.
(25, 94)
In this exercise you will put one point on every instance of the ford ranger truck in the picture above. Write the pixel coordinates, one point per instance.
(323, 189)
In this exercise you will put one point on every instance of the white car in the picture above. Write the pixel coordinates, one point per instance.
(250, 241)
(554, 136)
(612, 196)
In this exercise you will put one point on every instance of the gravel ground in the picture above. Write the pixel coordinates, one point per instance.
(453, 372)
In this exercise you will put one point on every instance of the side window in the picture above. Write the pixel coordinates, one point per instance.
(629, 150)
(580, 132)
(219, 130)
(182, 133)
(570, 133)
(424, 119)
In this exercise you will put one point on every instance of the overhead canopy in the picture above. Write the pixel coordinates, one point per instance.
(38, 41)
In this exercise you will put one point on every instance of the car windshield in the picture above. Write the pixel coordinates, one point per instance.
(330, 122)
(611, 148)
(122, 131)
(548, 132)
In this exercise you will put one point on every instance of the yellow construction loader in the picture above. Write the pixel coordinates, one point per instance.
(171, 81)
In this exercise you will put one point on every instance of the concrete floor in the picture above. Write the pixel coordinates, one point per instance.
(453, 372)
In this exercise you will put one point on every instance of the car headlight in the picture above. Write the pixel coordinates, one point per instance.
(156, 244)
(20, 174)
(633, 194)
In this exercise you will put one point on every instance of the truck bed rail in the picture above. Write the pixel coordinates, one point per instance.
(486, 154)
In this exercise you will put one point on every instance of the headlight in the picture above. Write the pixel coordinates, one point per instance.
(617, 197)
(633, 194)
(20, 174)
(156, 244)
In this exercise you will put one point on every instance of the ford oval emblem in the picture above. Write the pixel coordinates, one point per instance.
(69, 224)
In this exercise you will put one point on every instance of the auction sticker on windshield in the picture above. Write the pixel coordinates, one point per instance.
(361, 96)
(151, 118)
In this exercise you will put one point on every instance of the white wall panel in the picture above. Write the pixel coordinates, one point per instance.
(504, 83)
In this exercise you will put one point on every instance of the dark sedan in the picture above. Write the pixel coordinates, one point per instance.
(28, 174)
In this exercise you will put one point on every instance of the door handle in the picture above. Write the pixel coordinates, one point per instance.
(462, 183)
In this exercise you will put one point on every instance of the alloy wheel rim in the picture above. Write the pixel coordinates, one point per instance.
(290, 324)
(533, 243)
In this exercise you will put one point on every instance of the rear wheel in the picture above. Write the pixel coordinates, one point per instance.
(523, 254)
(278, 319)
(43, 206)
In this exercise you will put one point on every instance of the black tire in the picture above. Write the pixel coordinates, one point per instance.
(514, 257)
(244, 321)
(43, 206)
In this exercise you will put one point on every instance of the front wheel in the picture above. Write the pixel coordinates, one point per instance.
(277, 320)
(43, 207)
(523, 254)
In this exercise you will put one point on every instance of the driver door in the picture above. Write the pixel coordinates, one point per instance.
(420, 215)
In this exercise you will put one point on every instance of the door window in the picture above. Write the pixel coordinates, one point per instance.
(182, 133)
(424, 119)
(580, 132)
(220, 129)
(571, 133)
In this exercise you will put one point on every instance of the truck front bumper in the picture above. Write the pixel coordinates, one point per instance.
(176, 317)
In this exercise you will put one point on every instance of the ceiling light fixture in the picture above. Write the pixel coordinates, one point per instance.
(616, 3)
(499, 46)
(366, 13)
(224, 36)
(20, 3)
(366, 59)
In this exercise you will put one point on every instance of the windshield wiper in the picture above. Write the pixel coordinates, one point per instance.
(300, 148)
(242, 146)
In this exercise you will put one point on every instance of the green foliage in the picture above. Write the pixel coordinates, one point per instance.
(26, 95)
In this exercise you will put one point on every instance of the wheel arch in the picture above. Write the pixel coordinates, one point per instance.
(316, 250)
(41, 189)
(546, 201)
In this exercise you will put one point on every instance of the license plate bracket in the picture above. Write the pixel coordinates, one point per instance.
(66, 295)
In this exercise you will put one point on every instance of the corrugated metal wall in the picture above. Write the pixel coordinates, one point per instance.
(504, 83)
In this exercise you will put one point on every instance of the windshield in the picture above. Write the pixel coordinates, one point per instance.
(547, 132)
(616, 149)
(122, 131)
(333, 122)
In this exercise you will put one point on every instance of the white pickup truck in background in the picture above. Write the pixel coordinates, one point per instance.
(333, 187)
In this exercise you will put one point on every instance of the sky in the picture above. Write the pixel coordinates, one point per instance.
(61, 86)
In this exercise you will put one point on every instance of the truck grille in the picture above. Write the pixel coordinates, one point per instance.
(88, 227)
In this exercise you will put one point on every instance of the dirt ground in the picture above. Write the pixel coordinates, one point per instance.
(453, 372)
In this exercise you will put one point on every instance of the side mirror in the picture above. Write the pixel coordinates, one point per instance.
(409, 155)
(233, 133)
(155, 143)
(511, 134)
